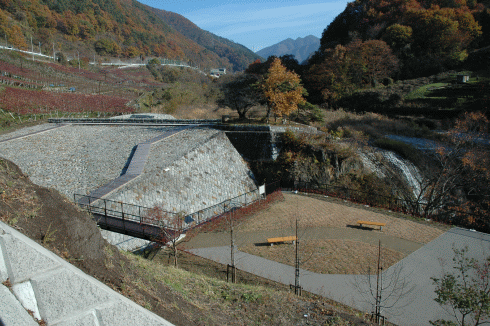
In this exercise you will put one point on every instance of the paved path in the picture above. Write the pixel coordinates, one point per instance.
(415, 308)
(56, 291)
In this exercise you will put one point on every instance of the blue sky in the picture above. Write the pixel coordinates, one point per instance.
(253, 23)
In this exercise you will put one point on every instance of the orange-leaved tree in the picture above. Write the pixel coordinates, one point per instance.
(283, 90)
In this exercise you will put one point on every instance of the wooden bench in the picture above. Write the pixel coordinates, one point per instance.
(271, 241)
(361, 223)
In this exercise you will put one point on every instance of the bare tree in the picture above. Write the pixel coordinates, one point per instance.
(385, 289)
(171, 228)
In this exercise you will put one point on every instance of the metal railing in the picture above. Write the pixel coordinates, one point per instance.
(135, 121)
(118, 209)
(140, 214)
(365, 197)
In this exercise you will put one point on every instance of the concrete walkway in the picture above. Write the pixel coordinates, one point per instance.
(36, 280)
(417, 307)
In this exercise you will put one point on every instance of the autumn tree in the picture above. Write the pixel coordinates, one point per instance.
(444, 32)
(282, 89)
(346, 68)
(16, 37)
(471, 134)
(330, 80)
(398, 36)
(455, 186)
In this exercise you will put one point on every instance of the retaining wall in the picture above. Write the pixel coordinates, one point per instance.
(208, 174)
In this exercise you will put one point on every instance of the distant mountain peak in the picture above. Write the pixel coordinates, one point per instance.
(301, 48)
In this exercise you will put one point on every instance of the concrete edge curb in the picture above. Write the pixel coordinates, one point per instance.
(70, 268)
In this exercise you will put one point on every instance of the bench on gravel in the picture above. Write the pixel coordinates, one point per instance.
(271, 241)
(361, 223)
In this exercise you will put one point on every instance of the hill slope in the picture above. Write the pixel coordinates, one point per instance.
(238, 55)
(108, 28)
(301, 48)
(183, 298)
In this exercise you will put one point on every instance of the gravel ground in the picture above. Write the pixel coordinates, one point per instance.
(28, 130)
(327, 256)
(75, 158)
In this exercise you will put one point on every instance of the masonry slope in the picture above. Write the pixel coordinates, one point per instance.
(208, 174)
(77, 158)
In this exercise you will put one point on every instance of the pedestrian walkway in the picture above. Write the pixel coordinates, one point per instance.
(417, 307)
(57, 292)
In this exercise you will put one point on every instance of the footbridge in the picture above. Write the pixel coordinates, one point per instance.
(148, 222)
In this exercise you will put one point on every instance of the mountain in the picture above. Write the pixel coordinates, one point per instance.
(238, 55)
(301, 48)
(112, 28)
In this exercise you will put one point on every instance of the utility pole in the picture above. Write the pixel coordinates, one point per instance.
(78, 60)
(297, 286)
(232, 267)
(40, 48)
(379, 287)
(54, 56)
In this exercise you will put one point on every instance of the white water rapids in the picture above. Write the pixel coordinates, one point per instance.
(386, 163)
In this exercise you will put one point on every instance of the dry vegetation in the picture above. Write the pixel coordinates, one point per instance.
(329, 256)
(315, 213)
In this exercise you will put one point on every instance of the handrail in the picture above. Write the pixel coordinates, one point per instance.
(136, 120)
(136, 213)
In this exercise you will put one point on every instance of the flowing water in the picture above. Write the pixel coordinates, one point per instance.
(386, 164)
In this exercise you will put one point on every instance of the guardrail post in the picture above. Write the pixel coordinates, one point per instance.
(105, 207)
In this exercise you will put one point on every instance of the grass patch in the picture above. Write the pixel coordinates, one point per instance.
(424, 91)
(328, 256)
(191, 285)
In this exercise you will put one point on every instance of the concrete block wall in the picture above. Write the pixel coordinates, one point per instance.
(56, 291)
(207, 175)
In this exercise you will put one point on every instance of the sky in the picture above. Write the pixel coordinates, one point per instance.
(253, 23)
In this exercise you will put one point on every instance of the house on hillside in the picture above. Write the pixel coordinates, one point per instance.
(218, 72)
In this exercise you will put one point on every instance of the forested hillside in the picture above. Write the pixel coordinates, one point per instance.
(115, 28)
(374, 41)
(238, 55)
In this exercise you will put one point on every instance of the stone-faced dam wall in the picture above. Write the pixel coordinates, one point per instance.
(185, 172)
(209, 172)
